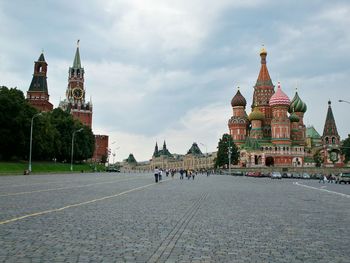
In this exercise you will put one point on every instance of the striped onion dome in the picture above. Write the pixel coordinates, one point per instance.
(256, 114)
(294, 118)
(238, 100)
(297, 104)
(279, 98)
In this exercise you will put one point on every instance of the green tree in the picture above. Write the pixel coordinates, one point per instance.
(84, 141)
(222, 155)
(15, 117)
(318, 158)
(346, 148)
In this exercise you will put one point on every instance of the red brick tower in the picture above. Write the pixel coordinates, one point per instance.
(294, 128)
(38, 95)
(263, 90)
(238, 123)
(331, 141)
(280, 123)
(256, 118)
(75, 94)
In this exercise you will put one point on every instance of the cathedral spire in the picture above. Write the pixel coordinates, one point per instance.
(77, 63)
(330, 128)
(264, 76)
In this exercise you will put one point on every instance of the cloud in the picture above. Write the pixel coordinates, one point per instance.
(202, 125)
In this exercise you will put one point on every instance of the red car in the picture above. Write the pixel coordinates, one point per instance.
(254, 174)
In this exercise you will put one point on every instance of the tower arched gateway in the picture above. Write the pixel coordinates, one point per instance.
(269, 161)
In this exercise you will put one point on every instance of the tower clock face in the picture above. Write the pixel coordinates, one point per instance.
(77, 93)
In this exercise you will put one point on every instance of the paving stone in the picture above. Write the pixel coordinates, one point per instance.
(210, 219)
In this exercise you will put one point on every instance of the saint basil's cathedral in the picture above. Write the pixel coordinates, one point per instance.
(274, 133)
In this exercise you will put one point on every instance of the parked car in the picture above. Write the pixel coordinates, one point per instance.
(343, 178)
(296, 175)
(306, 176)
(112, 169)
(237, 173)
(253, 174)
(276, 175)
(286, 175)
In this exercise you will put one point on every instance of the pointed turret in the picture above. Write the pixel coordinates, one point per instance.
(330, 133)
(41, 58)
(39, 82)
(331, 141)
(37, 94)
(156, 152)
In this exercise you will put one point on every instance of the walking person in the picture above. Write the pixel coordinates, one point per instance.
(160, 174)
(193, 174)
(181, 174)
(156, 174)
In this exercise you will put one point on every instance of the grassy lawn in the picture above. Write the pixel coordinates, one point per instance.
(44, 167)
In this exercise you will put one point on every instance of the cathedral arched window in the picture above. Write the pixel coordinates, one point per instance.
(327, 140)
(333, 140)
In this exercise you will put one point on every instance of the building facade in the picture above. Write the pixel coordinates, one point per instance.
(273, 134)
(38, 95)
(194, 159)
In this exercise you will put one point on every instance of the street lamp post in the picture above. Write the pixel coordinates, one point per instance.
(71, 158)
(344, 101)
(30, 142)
(114, 153)
(229, 158)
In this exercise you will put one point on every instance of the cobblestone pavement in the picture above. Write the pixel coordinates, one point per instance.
(128, 218)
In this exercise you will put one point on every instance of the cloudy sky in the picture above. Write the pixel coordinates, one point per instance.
(167, 70)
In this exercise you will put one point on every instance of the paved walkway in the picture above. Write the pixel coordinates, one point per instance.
(128, 218)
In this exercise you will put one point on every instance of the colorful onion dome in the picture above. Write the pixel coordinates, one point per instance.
(279, 98)
(238, 100)
(294, 118)
(297, 104)
(256, 114)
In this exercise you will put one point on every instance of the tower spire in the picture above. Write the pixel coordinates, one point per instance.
(77, 63)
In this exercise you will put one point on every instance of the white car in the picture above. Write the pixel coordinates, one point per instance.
(276, 175)
(306, 176)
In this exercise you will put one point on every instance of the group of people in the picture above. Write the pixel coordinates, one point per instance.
(329, 179)
(158, 173)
